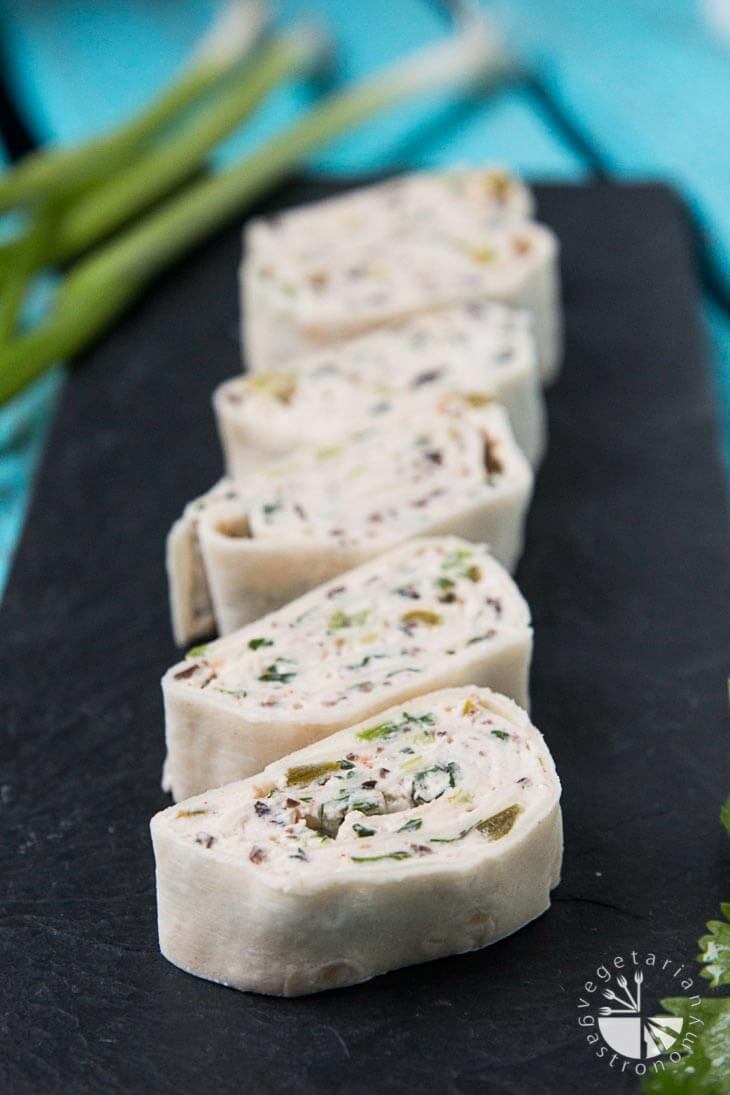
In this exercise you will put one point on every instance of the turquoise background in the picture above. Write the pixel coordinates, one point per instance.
(649, 80)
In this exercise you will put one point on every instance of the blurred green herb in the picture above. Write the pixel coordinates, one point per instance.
(705, 1068)
(108, 185)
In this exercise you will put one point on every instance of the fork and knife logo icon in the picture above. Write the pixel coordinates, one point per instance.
(627, 1030)
(630, 1003)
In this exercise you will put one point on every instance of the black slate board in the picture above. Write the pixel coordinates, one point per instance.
(626, 570)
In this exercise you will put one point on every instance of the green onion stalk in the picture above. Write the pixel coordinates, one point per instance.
(46, 173)
(101, 287)
(30, 253)
(157, 172)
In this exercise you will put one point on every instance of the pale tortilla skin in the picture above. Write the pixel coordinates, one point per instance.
(225, 918)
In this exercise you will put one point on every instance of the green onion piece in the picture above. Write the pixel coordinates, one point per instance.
(308, 773)
(427, 719)
(376, 858)
(197, 651)
(365, 807)
(159, 171)
(30, 251)
(382, 730)
(499, 824)
(340, 619)
(276, 676)
(49, 171)
(100, 288)
(421, 616)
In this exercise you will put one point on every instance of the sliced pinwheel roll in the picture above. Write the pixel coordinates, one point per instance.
(443, 466)
(302, 289)
(481, 349)
(456, 199)
(434, 829)
(428, 614)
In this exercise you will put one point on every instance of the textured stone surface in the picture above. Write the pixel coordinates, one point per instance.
(626, 571)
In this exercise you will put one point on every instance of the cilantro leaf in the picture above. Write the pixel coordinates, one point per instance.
(715, 950)
(725, 814)
(705, 1070)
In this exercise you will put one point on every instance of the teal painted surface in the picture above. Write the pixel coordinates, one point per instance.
(645, 78)
(23, 429)
(24, 425)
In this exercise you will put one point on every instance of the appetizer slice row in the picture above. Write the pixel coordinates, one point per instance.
(440, 465)
(480, 348)
(344, 266)
(429, 614)
(433, 830)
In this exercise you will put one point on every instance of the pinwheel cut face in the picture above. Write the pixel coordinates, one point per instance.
(469, 348)
(441, 780)
(414, 479)
(409, 207)
(365, 633)
(333, 289)
(416, 469)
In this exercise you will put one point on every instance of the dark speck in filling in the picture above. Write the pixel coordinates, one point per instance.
(185, 673)
(425, 378)
(410, 592)
(261, 809)
(369, 784)
(492, 462)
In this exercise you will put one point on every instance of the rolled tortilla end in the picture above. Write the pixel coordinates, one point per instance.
(444, 465)
(341, 267)
(484, 350)
(432, 830)
(429, 614)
